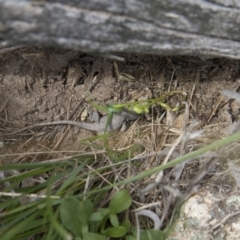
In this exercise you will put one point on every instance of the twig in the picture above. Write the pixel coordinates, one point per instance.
(224, 220)
(218, 104)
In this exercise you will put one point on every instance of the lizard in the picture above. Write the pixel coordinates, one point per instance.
(115, 123)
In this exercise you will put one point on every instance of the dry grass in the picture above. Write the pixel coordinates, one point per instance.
(157, 144)
(146, 145)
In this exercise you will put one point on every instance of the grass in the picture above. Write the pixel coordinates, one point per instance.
(112, 189)
(96, 195)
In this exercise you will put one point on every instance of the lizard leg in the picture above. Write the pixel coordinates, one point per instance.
(94, 117)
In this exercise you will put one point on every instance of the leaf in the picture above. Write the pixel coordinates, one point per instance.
(114, 220)
(126, 77)
(84, 114)
(71, 178)
(93, 236)
(109, 119)
(96, 216)
(20, 226)
(105, 212)
(120, 201)
(71, 216)
(126, 223)
(95, 221)
(151, 234)
(130, 238)
(116, 232)
(86, 207)
(75, 215)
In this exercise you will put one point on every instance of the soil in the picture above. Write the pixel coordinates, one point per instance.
(42, 85)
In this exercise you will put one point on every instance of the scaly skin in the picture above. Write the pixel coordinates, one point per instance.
(116, 122)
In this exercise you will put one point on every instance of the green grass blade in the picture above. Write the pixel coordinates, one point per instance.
(221, 143)
(19, 228)
(71, 178)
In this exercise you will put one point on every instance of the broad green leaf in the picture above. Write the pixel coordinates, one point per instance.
(84, 228)
(126, 223)
(93, 236)
(130, 238)
(95, 222)
(114, 220)
(71, 215)
(104, 211)
(151, 234)
(86, 207)
(115, 232)
(96, 216)
(120, 201)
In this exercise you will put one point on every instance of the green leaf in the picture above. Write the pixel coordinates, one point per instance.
(96, 216)
(86, 210)
(19, 227)
(120, 201)
(130, 238)
(114, 220)
(93, 236)
(151, 234)
(110, 116)
(86, 207)
(115, 231)
(126, 223)
(71, 178)
(95, 221)
(75, 215)
(106, 213)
